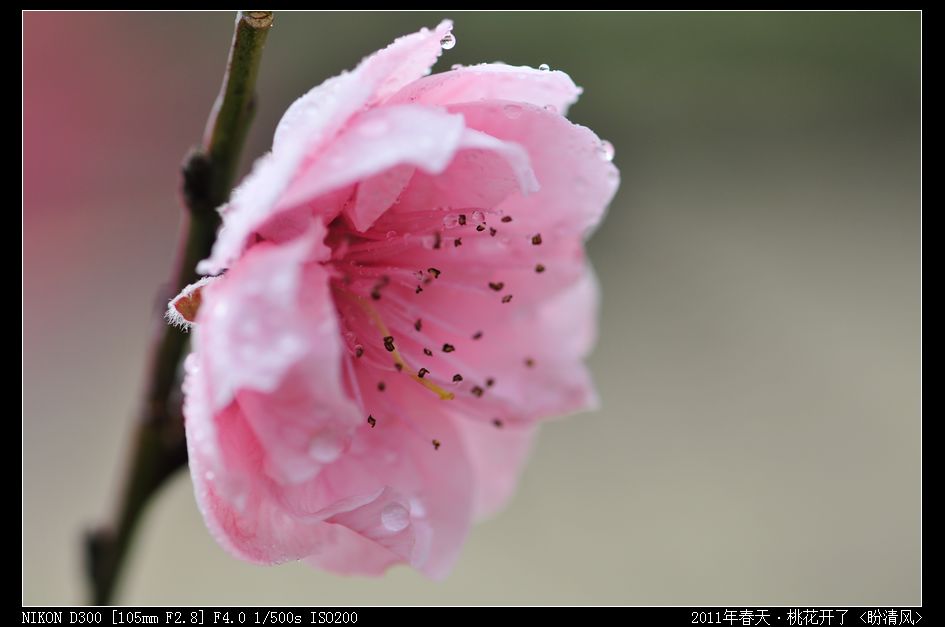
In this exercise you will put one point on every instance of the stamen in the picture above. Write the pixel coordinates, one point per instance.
(399, 362)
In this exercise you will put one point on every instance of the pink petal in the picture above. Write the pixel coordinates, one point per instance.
(497, 455)
(577, 181)
(267, 313)
(390, 498)
(311, 122)
(493, 81)
(378, 140)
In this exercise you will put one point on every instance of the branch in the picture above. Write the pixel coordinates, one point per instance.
(159, 448)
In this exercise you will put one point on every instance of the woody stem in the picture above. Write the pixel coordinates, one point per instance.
(158, 448)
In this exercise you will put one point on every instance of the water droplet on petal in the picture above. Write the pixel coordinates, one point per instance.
(450, 221)
(391, 234)
(325, 447)
(607, 150)
(209, 475)
(395, 517)
(544, 67)
(448, 41)
(512, 111)
(478, 216)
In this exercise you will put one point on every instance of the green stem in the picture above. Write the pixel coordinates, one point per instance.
(158, 448)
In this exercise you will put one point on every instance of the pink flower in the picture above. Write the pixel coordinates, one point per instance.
(406, 295)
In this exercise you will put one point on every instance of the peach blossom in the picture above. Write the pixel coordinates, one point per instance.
(399, 294)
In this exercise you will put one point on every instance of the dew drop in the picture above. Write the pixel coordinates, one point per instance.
(325, 447)
(395, 517)
(391, 234)
(448, 41)
(606, 150)
(478, 216)
(450, 221)
(544, 67)
(512, 111)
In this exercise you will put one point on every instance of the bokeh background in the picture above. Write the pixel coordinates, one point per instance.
(759, 440)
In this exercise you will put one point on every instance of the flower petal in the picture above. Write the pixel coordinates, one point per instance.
(308, 124)
(577, 181)
(497, 455)
(493, 81)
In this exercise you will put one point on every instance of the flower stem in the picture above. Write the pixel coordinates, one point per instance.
(158, 448)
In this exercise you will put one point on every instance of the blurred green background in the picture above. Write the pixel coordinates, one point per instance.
(759, 363)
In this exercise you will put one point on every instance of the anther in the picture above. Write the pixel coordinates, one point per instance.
(371, 421)
(536, 239)
(448, 348)
(496, 286)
